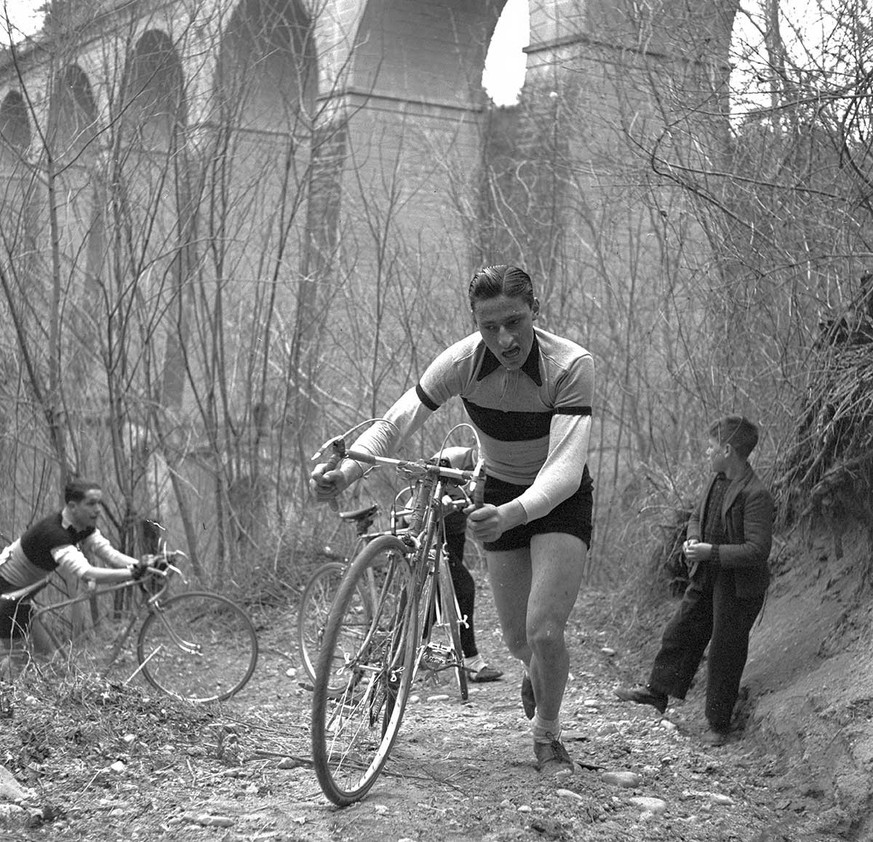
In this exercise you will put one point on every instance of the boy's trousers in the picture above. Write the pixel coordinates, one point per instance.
(712, 613)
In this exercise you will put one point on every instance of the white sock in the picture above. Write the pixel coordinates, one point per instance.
(474, 663)
(546, 730)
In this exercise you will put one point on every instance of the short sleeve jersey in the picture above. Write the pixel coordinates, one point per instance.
(513, 410)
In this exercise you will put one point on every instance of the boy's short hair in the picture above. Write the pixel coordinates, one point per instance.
(77, 489)
(737, 431)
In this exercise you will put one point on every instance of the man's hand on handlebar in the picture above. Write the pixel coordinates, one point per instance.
(489, 522)
(325, 484)
(156, 564)
(139, 569)
(485, 522)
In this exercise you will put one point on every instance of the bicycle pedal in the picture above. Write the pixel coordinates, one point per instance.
(437, 658)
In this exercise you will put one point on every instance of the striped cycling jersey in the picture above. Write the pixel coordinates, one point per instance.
(533, 422)
(51, 543)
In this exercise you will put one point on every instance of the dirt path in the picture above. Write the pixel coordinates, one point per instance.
(458, 772)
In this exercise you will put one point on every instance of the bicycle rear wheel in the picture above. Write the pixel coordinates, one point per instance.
(314, 610)
(197, 646)
(353, 730)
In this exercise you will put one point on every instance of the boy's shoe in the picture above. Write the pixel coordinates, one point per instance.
(483, 674)
(713, 737)
(642, 694)
(528, 700)
(552, 757)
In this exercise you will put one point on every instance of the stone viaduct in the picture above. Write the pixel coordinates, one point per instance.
(285, 156)
(381, 98)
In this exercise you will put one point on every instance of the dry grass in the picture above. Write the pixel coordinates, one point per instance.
(65, 724)
(827, 475)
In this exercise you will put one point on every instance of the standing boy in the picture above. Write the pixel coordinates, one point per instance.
(729, 537)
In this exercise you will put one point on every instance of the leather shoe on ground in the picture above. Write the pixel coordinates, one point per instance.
(712, 737)
(483, 674)
(552, 757)
(642, 694)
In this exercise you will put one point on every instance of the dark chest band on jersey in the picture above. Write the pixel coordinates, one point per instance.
(504, 425)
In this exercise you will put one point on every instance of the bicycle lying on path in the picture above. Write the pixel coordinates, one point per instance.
(194, 645)
(371, 654)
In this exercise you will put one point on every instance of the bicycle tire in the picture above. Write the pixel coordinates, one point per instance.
(451, 617)
(353, 731)
(197, 646)
(314, 610)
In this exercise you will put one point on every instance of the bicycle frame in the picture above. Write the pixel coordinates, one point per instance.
(152, 604)
(425, 533)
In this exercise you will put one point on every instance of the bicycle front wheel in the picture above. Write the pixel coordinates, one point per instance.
(197, 646)
(353, 730)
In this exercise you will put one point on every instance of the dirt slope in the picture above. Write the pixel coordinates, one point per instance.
(811, 678)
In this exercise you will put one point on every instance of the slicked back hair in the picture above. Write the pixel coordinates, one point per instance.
(492, 281)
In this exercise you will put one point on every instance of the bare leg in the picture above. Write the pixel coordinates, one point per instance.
(510, 576)
(556, 560)
(534, 592)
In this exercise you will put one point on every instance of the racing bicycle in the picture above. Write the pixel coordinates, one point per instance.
(369, 657)
(194, 645)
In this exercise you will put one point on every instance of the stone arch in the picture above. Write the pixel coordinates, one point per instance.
(265, 91)
(153, 102)
(149, 187)
(17, 185)
(415, 110)
(72, 137)
(14, 130)
(73, 116)
(267, 70)
(424, 51)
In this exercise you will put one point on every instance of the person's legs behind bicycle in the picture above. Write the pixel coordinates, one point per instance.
(465, 590)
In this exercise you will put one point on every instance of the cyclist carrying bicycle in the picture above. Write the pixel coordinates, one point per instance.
(528, 393)
(59, 541)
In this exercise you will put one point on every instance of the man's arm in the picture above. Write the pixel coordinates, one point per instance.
(99, 545)
(71, 559)
(406, 416)
(561, 473)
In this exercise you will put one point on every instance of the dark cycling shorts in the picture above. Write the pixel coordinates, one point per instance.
(572, 516)
(14, 614)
